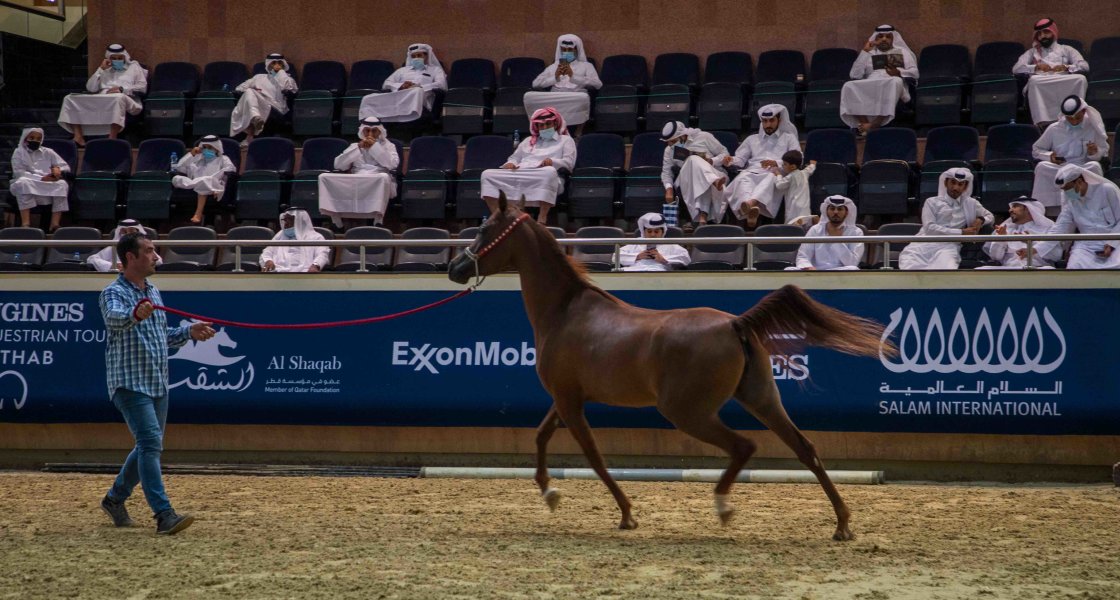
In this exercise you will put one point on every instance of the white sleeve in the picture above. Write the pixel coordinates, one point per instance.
(102, 260)
(586, 77)
(983, 213)
(931, 225)
(322, 257)
(1025, 65)
(386, 155)
(861, 68)
(996, 249)
(20, 166)
(546, 79)
(93, 84)
(519, 153)
(1102, 149)
(855, 252)
(288, 84)
(439, 81)
(568, 159)
(716, 150)
(227, 165)
(628, 255)
(245, 84)
(909, 65)
(346, 160)
(394, 81)
(805, 255)
(667, 168)
(56, 160)
(184, 163)
(139, 83)
(1077, 63)
(742, 154)
(269, 253)
(676, 255)
(1044, 145)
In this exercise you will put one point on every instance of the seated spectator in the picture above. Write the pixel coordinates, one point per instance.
(296, 225)
(869, 100)
(204, 170)
(567, 81)
(365, 183)
(261, 95)
(793, 181)
(1077, 137)
(531, 174)
(953, 211)
(412, 89)
(107, 260)
(113, 89)
(752, 192)
(37, 178)
(1091, 204)
(1055, 72)
(1027, 216)
(840, 220)
(653, 257)
(701, 179)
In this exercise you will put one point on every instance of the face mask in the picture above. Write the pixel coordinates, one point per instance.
(679, 145)
(568, 56)
(33, 146)
(417, 64)
(209, 153)
(1071, 194)
(547, 134)
(118, 65)
(289, 233)
(1047, 42)
(273, 73)
(1072, 126)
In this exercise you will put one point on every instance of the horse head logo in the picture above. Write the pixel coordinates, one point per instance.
(19, 398)
(980, 348)
(214, 370)
(208, 352)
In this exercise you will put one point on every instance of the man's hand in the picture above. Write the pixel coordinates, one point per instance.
(1054, 158)
(1091, 148)
(1022, 253)
(314, 269)
(769, 164)
(669, 195)
(196, 151)
(868, 46)
(1060, 69)
(894, 72)
(143, 310)
(1001, 229)
(813, 162)
(727, 160)
(1043, 67)
(269, 266)
(970, 230)
(510, 166)
(200, 332)
(407, 84)
(1105, 252)
(546, 162)
(116, 89)
(118, 266)
(106, 64)
(48, 178)
(366, 143)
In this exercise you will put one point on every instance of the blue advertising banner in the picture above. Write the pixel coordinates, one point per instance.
(1005, 361)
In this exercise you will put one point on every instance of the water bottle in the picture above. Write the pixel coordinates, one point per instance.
(174, 160)
(77, 256)
(516, 137)
(225, 87)
(1012, 120)
(17, 257)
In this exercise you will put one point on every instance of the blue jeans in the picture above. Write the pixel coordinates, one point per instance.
(146, 418)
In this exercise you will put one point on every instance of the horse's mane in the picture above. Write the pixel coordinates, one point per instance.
(577, 269)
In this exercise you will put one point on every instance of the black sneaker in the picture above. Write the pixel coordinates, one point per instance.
(169, 523)
(116, 511)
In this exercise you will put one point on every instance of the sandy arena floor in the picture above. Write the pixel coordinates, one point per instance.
(259, 537)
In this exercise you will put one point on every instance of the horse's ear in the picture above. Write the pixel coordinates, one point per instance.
(502, 203)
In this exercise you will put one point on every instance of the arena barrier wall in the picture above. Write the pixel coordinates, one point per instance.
(994, 367)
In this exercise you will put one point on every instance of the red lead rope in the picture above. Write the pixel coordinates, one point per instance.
(307, 325)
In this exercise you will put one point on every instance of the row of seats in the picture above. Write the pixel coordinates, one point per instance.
(481, 97)
(888, 181)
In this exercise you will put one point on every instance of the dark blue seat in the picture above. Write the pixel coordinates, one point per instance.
(884, 187)
(1075, 44)
(1014, 140)
(729, 139)
(729, 67)
(952, 143)
(831, 146)
(314, 106)
(1104, 80)
(472, 73)
(832, 64)
(165, 107)
(600, 158)
(667, 102)
(995, 91)
(155, 154)
(829, 179)
(1003, 180)
(520, 71)
(179, 77)
(67, 150)
(720, 106)
(945, 60)
(945, 69)
(270, 154)
(466, 106)
(225, 74)
(317, 158)
(328, 75)
(781, 65)
(1105, 53)
(149, 188)
(997, 58)
(643, 191)
(891, 143)
(370, 74)
(261, 189)
(427, 183)
(215, 101)
(625, 69)
(482, 152)
(677, 67)
(647, 150)
(98, 184)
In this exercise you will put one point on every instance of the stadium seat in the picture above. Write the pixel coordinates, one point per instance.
(423, 258)
(772, 92)
(21, 259)
(149, 188)
(776, 257)
(189, 258)
(677, 68)
(250, 255)
(822, 104)
(717, 257)
(326, 75)
(643, 191)
(170, 88)
(945, 69)
(261, 188)
(891, 143)
(1010, 141)
(884, 187)
(223, 75)
(520, 71)
(67, 150)
(831, 145)
(997, 58)
(954, 142)
(1104, 79)
(105, 164)
(995, 98)
(895, 247)
(781, 65)
(625, 69)
(596, 257)
(729, 139)
(945, 60)
(482, 152)
(1003, 180)
(616, 109)
(378, 258)
(593, 187)
(509, 111)
(317, 158)
(667, 102)
(313, 107)
(729, 67)
(215, 101)
(432, 161)
(832, 64)
(829, 179)
(720, 106)
(366, 77)
(63, 258)
(466, 106)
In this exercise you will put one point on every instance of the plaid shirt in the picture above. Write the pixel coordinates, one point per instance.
(136, 352)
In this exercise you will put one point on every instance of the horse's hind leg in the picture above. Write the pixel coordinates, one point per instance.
(579, 428)
(707, 427)
(544, 434)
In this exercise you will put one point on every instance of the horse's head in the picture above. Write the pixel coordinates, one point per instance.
(491, 251)
(222, 338)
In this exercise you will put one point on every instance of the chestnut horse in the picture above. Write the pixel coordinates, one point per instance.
(593, 347)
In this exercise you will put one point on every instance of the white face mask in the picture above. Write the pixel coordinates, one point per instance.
(547, 134)
(1071, 194)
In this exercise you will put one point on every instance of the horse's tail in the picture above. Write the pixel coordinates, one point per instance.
(787, 319)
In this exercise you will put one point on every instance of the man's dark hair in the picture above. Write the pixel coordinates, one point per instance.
(793, 157)
(129, 242)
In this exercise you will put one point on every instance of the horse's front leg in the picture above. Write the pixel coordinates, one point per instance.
(544, 434)
(573, 416)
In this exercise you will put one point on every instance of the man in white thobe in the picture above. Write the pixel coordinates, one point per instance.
(365, 184)
(113, 89)
(1091, 204)
(870, 98)
(1028, 216)
(752, 192)
(1077, 137)
(953, 211)
(653, 257)
(204, 170)
(106, 259)
(701, 179)
(260, 96)
(37, 178)
(567, 81)
(840, 220)
(411, 88)
(531, 175)
(1055, 72)
(296, 225)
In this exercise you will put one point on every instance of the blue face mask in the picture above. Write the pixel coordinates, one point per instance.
(416, 63)
(1071, 194)
(679, 145)
(568, 56)
(289, 233)
(547, 134)
(273, 73)
(209, 153)
(1072, 126)
(118, 65)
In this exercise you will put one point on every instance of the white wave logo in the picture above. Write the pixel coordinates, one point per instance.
(19, 399)
(978, 350)
(216, 370)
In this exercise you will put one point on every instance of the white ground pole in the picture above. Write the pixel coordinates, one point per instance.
(695, 475)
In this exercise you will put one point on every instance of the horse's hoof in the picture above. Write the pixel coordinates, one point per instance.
(628, 523)
(843, 534)
(552, 498)
(725, 516)
(724, 509)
